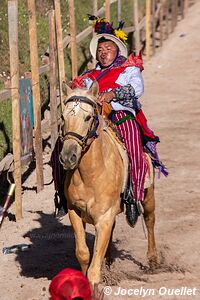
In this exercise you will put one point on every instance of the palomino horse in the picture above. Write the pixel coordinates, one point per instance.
(95, 182)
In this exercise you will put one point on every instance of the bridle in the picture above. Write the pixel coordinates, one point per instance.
(91, 133)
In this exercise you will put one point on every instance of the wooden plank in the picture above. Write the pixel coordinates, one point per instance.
(182, 9)
(148, 28)
(14, 74)
(94, 11)
(80, 36)
(5, 94)
(44, 69)
(175, 11)
(136, 25)
(72, 28)
(61, 64)
(107, 10)
(129, 29)
(52, 74)
(95, 7)
(172, 16)
(119, 10)
(167, 18)
(142, 23)
(186, 6)
(161, 24)
(36, 93)
(153, 27)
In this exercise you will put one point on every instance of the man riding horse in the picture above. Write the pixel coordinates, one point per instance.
(95, 163)
(121, 84)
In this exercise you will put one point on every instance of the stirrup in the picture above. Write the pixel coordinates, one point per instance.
(140, 207)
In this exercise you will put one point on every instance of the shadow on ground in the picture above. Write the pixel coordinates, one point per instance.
(53, 248)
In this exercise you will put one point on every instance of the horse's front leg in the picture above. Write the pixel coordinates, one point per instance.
(149, 218)
(82, 251)
(108, 255)
(103, 230)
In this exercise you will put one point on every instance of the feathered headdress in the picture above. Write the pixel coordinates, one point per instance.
(100, 26)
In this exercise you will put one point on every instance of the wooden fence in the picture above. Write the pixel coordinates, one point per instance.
(149, 32)
(164, 12)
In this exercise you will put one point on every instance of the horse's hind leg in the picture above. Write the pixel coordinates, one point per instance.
(149, 218)
(82, 251)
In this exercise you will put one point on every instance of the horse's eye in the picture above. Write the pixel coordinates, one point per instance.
(88, 118)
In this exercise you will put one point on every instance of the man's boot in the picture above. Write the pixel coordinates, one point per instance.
(132, 213)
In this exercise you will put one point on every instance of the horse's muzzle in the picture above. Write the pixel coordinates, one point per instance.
(69, 158)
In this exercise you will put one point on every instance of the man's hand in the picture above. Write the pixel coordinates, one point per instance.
(105, 97)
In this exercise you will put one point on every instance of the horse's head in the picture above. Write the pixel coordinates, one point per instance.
(80, 121)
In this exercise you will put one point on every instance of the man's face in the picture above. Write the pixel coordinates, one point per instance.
(106, 52)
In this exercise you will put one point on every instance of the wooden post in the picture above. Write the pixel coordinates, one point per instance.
(14, 74)
(107, 10)
(167, 18)
(94, 11)
(119, 10)
(186, 6)
(59, 39)
(73, 39)
(176, 11)
(172, 15)
(153, 27)
(161, 23)
(95, 7)
(136, 26)
(36, 94)
(182, 9)
(52, 74)
(148, 26)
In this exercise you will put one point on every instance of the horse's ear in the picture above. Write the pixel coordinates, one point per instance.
(94, 89)
(66, 89)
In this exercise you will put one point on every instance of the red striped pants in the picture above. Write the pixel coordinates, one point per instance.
(130, 133)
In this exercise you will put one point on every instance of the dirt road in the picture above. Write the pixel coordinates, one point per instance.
(171, 102)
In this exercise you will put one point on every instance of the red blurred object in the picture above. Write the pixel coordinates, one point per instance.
(69, 284)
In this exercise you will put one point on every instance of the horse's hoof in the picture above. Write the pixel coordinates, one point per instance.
(153, 262)
(109, 262)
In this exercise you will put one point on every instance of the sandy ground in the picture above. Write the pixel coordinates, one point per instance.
(171, 104)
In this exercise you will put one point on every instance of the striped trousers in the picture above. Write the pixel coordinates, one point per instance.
(130, 133)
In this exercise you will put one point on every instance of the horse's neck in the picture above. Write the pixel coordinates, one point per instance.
(93, 161)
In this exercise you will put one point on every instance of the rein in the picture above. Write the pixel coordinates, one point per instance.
(82, 140)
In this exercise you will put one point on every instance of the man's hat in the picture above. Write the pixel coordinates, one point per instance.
(69, 284)
(106, 30)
